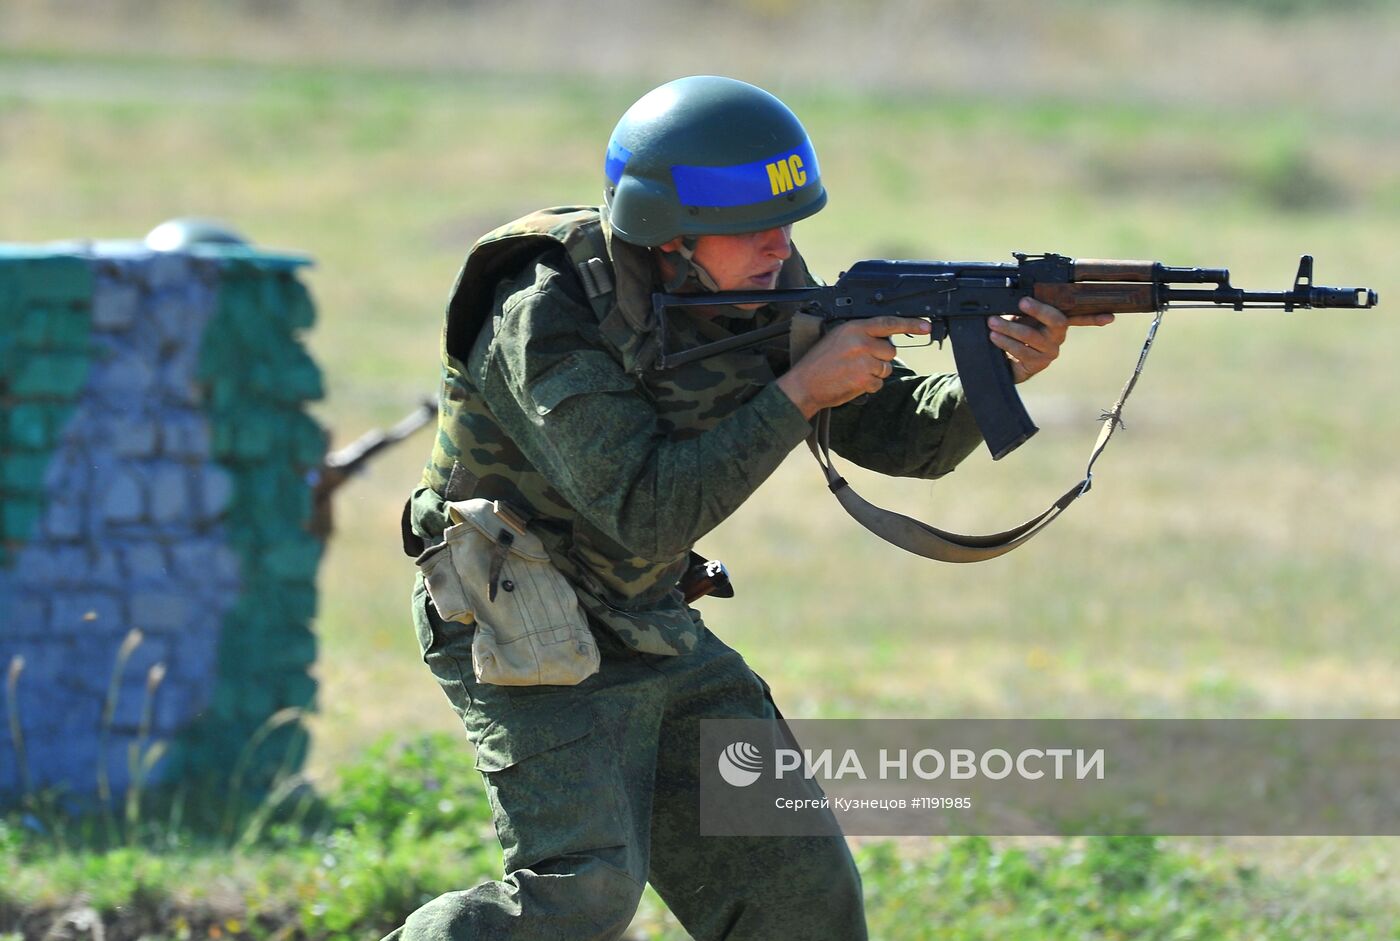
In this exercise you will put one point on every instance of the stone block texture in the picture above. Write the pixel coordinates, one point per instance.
(155, 456)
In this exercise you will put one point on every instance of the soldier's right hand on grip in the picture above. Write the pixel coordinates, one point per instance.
(853, 359)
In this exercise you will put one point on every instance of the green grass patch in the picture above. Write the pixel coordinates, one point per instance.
(401, 825)
(408, 821)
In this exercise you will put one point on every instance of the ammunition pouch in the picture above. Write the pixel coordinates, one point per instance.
(490, 571)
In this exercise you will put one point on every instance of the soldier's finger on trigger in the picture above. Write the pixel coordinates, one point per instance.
(889, 325)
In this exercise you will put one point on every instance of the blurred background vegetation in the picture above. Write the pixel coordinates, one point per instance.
(1238, 556)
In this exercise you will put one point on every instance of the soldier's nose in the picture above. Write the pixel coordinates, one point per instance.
(778, 242)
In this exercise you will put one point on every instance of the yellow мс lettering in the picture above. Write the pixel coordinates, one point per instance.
(780, 176)
(785, 175)
(799, 175)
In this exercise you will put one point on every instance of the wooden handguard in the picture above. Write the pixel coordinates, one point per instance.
(1108, 269)
(1099, 298)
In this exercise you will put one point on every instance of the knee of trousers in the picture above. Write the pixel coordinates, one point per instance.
(836, 874)
(581, 898)
(815, 895)
(821, 885)
(599, 892)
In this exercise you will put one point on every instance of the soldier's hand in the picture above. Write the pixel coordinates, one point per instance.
(851, 360)
(1032, 339)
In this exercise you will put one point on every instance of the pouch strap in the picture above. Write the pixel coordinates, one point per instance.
(512, 517)
(504, 540)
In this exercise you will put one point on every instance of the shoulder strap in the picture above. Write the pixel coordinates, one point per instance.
(929, 541)
(576, 228)
(588, 250)
(919, 537)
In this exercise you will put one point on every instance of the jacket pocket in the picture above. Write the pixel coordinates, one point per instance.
(578, 373)
(530, 731)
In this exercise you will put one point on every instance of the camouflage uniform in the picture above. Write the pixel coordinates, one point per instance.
(548, 404)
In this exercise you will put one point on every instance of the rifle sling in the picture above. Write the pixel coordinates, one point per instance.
(933, 543)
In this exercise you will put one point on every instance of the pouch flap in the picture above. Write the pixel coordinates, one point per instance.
(481, 515)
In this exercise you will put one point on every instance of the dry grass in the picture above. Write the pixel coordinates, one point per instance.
(1329, 61)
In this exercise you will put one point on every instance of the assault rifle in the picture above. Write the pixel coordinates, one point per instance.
(957, 298)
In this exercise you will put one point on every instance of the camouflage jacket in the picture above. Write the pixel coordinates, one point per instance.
(547, 403)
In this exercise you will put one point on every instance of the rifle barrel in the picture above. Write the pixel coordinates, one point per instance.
(1355, 298)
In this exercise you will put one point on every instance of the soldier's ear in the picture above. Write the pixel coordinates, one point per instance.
(672, 246)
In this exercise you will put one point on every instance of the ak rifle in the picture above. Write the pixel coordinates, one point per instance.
(957, 298)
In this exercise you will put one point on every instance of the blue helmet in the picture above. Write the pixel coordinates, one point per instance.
(706, 155)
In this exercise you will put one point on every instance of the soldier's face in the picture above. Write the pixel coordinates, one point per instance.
(748, 262)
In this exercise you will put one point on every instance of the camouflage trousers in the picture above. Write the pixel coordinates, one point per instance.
(594, 792)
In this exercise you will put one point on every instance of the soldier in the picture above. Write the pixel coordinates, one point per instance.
(564, 461)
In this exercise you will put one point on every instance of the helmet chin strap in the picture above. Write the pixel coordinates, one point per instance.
(687, 268)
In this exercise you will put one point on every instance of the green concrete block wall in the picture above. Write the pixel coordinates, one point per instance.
(155, 463)
(45, 319)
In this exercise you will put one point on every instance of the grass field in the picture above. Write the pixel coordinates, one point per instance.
(1238, 555)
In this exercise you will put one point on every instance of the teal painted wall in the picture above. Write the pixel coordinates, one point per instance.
(157, 582)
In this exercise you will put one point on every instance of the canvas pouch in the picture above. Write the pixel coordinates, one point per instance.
(491, 571)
